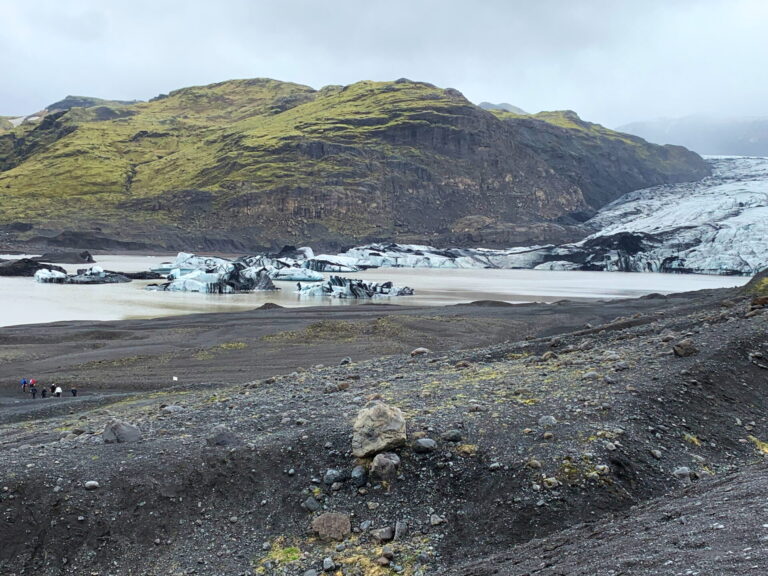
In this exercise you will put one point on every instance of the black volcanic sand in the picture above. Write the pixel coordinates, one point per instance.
(643, 443)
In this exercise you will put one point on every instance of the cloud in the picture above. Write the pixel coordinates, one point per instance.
(612, 61)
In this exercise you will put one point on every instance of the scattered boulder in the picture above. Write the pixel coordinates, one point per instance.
(420, 351)
(378, 427)
(345, 361)
(332, 526)
(546, 421)
(451, 435)
(401, 529)
(684, 348)
(332, 475)
(359, 476)
(383, 534)
(385, 466)
(117, 432)
(424, 446)
(222, 436)
(682, 473)
(312, 504)
(91, 485)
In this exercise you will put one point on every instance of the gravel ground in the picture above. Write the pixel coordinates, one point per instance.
(548, 435)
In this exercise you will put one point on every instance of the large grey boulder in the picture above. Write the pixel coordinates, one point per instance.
(378, 427)
(118, 432)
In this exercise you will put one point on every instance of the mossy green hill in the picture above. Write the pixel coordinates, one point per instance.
(261, 163)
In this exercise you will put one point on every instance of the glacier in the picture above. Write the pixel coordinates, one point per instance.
(718, 225)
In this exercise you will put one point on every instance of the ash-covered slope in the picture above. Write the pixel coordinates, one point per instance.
(261, 163)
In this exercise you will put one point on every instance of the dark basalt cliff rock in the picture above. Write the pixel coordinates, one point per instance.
(257, 164)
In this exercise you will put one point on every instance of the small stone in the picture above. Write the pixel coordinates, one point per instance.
(365, 525)
(656, 454)
(547, 420)
(401, 529)
(602, 469)
(383, 534)
(609, 446)
(383, 561)
(435, 520)
(328, 564)
(222, 436)
(345, 361)
(451, 435)
(233, 519)
(332, 475)
(119, 432)
(550, 482)
(591, 375)
(388, 552)
(424, 446)
(682, 473)
(462, 364)
(91, 485)
(548, 436)
(172, 408)
(494, 466)
(359, 476)
(311, 573)
(533, 463)
(547, 356)
(420, 351)
(385, 466)
(312, 504)
(527, 430)
(685, 348)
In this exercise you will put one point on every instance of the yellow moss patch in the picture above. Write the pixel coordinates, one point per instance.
(467, 450)
(759, 444)
(691, 439)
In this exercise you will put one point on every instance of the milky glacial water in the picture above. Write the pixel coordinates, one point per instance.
(24, 301)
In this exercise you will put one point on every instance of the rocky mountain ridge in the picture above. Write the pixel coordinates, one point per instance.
(256, 164)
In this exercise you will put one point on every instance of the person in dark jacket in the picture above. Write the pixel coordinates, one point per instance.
(33, 391)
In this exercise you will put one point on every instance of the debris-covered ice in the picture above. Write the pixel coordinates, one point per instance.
(93, 275)
(339, 287)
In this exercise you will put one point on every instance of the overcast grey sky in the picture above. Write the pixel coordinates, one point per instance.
(611, 61)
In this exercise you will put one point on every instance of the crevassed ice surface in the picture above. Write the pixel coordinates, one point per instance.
(719, 223)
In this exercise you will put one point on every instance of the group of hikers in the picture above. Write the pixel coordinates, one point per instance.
(54, 390)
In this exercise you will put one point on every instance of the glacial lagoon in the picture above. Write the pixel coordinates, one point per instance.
(24, 301)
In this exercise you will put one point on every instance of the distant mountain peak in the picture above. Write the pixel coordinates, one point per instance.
(86, 102)
(503, 106)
